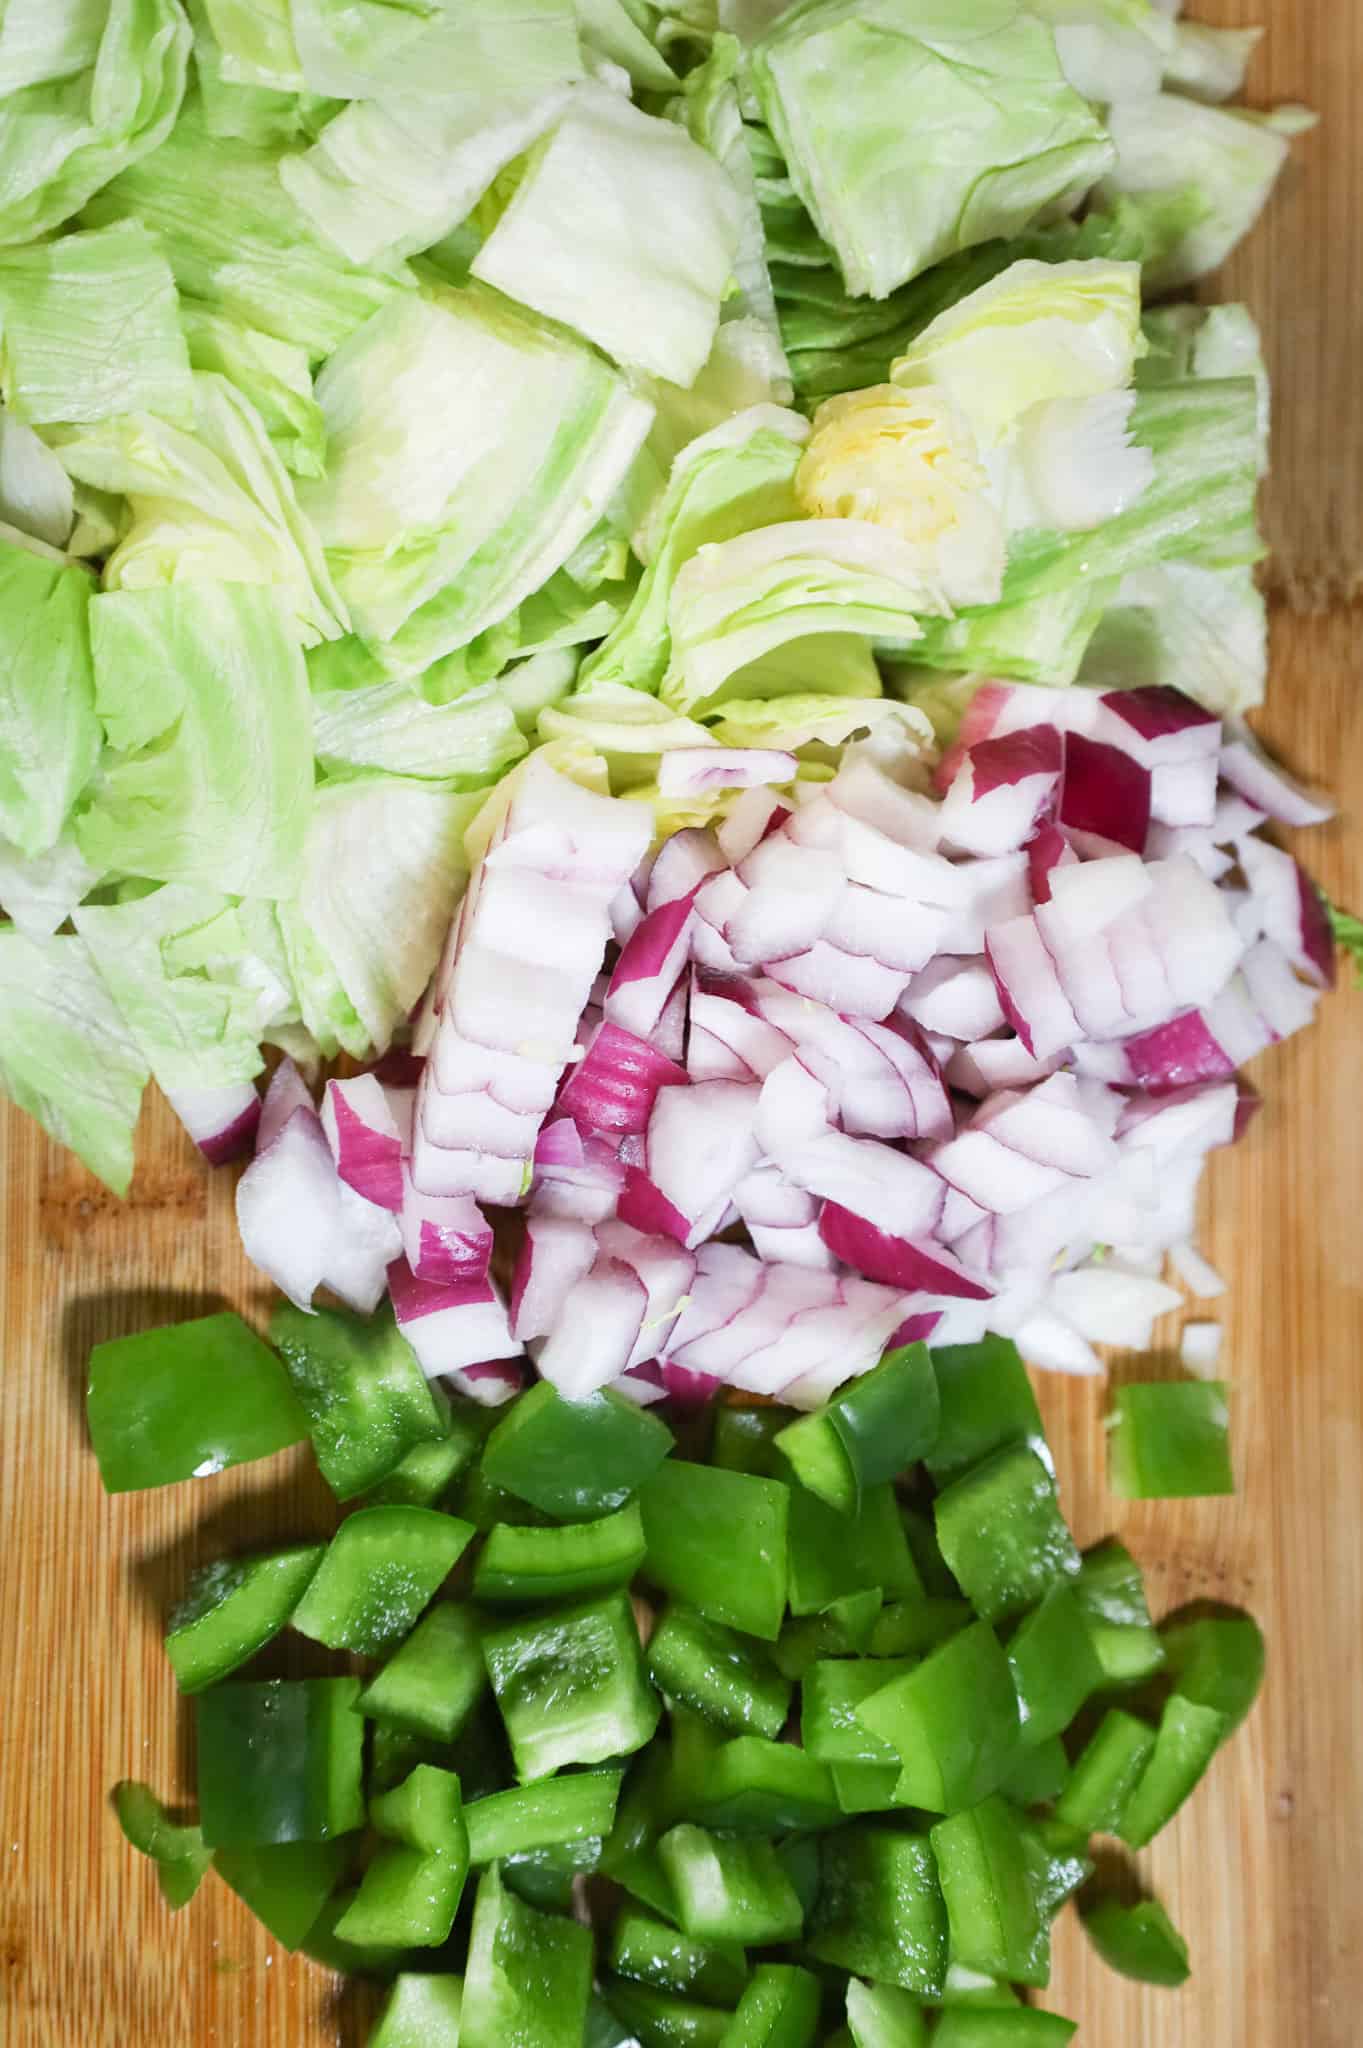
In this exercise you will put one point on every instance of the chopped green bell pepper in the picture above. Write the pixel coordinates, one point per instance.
(528, 1977)
(992, 1914)
(544, 1815)
(407, 1899)
(767, 1787)
(910, 1628)
(874, 1429)
(572, 1686)
(426, 1812)
(986, 1402)
(186, 1401)
(1039, 1775)
(1139, 1941)
(1106, 1773)
(432, 1682)
(574, 1459)
(286, 1884)
(421, 2012)
(366, 1399)
(953, 1721)
(650, 1952)
(829, 1697)
(883, 2016)
(844, 1629)
(779, 2009)
(349, 1958)
(232, 1609)
(518, 1566)
(1002, 1533)
(428, 1472)
(382, 1567)
(1060, 1863)
(744, 1439)
(926, 1553)
(544, 1877)
(972, 1987)
(1054, 1665)
(718, 1542)
(663, 2019)
(179, 1853)
(1170, 1440)
(866, 1788)
(1111, 1594)
(714, 1671)
(1188, 1738)
(985, 2026)
(880, 1912)
(479, 1501)
(832, 1555)
(1217, 1662)
(730, 1887)
(280, 1761)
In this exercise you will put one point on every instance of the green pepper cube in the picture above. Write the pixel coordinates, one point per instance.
(767, 1787)
(986, 1402)
(833, 1555)
(662, 2018)
(180, 1853)
(1054, 1665)
(1139, 1941)
(528, 1977)
(334, 1951)
(545, 1815)
(406, 1899)
(286, 1884)
(883, 2016)
(421, 2012)
(985, 1875)
(280, 1761)
(830, 1695)
(717, 1541)
(544, 1877)
(779, 2009)
(844, 1629)
(1111, 1594)
(366, 1399)
(1060, 1863)
(910, 1628)
(1002, 1533)
(432, 1682)
(1039, 1775)
(1106, 1773)
(485, 1505)
(521, 1566)
(426, 1811)
(953, 1721)
(425, 1476)
(1188, 1738)
(574, 1459)
(650, 1952)
(186, 1401)
(572, 1686)
(730, 1887)
(992, 2026)
(382, 1567)
(1170, 1440)
(880, 1912)
(232, 1609)
(866, 1788)
(972, 1987)
(744, 1439)
(870, 1432)
(716, 1672)
(1217, 1662)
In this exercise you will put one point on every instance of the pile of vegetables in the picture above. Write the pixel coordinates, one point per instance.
(791, 1729)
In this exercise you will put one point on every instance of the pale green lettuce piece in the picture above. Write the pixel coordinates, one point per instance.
(810, 720)
(1193, 179)
(625, 229)
(1036, 332)
(1109, 50)
(49, 734)
(203, 694)
(742, 599)
(390, 726)
(715, 493)
(1036, 640)
(470, 452)
(257, 42)
(91, 329)
(237, 242)
(214, 506)
(45, 40)
(530, 687)
(383, 871)
(65, 1054)
(35, 491)
(1209, 341)
(64, 137)
(1203, 631)
(609, 28)
(155, 955)
(39, 891)
(913, 128)
(274, 375)
(628, 728)
(1209, 63)
(375, 49)
(240, 98)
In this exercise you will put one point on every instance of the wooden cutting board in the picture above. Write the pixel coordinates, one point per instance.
(1261, 1870)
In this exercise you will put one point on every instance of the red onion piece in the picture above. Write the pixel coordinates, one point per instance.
(1291, 910)
(365, 1139)
(1003, 787)
(700, 1145)
(645, 1208)
(555, 1254)
(221, 1121)
(1251, 774)
(303, 1226)
(451, 1329)
(596, 1330)
(1105, 793)
(445, 1239)
(695, 771)
(922, 1268)
(613, 1089)
(756, 813)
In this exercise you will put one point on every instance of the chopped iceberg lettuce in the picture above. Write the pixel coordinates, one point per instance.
(1203, 631)
(49, 734)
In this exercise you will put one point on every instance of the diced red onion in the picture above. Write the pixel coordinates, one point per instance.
(1050, 1343)
(303, 1226)
(994, 1063)
(921, 1268)
(445, 1239)
(992, 893)
(1110, 1304)
(1105, 794)
(862, 789)
(856, 986)
(614, 1087)
(683, 862)
(1184, 793)
(365, 1139)
(221, 1121)
(287, 1091)
(647, 1209)
(1249, 771)
(756, 813)
(585, 1189)
(695, 771)
(596, 1330)
(1029, 989)
(665, 1272)
(700, 1145)
(1291, 910)
(957, 997)
(649, 967)
(452, 1329)
(1003, 786)
(1198, 1275)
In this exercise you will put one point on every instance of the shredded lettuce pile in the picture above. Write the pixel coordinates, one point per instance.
(388, 389)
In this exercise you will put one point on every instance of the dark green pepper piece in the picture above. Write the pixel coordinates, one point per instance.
(716, 1672)
(1106, 1773)
(366, 1400)
(574, 1459)
(953, 1721)
(280, 1761)
(1054, 1665)
(382, 1567)
(1002, 1533)
(986, 1402)
(572, 1686)
(832, 1555)
(870, 1432)
(519, 1567)
(730, 1888)
(1139, 1941)
(545, 1815)
(179, 1853)
(232, 1609)
(880, 1912)
(779, 2009)
(648, 1951)
(1170, 1440)
(718, 1541)
(1216, 1662)
(287, 1884)
(432, 1682)
(992, 1912)
(529, 1974)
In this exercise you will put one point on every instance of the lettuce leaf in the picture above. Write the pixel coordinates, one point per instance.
(912, 130)
(49, 734)
(1209, 341)
(203, 695)
(1209, 63)
(1109, 50)
(390, 726)
(1203, 631)
(471, 451)
(608, 28)
(623, 228)
(85, 110)
(376, 49)
(1034, 640)
(39, 891)
(42, 41)
(274, 375)
(35, 492)
(65, 1054)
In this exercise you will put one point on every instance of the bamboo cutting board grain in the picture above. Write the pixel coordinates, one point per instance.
(1261, 1870)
